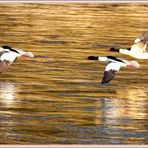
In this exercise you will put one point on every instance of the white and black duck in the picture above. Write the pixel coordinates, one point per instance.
(138, 49)
(113, 66)
(8, 55)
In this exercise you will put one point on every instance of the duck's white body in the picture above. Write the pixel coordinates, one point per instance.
(8, 55)
(138, 49)
(113, 66)
(137, 55)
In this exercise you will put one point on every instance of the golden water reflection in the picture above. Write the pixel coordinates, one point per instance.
(130, 104)
(56, 97)
(123, 117)
(8, 94)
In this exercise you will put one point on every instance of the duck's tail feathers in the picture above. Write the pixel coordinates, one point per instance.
(134, 64)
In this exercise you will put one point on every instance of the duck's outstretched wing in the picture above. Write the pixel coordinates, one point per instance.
(140, 43)
(4, 65)
(5, 60)
(110, 71)
(139, 47)
(142, 37)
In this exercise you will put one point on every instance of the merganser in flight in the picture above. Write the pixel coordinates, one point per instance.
(8, 55)
(138, 49)
(113, 66)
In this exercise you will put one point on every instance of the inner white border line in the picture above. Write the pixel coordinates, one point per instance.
(74, 145)
(71, 1)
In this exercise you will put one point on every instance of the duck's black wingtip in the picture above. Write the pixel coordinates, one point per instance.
(103, 83)
(100, 84)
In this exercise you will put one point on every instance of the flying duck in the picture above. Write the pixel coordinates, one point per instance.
(8, 55)
(138, 49)
(113, 66)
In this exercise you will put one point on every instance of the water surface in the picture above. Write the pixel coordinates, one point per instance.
(56, 98)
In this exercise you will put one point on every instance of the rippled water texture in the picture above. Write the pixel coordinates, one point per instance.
(56, 98)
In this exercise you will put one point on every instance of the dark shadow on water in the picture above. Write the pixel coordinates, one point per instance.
(50, 42)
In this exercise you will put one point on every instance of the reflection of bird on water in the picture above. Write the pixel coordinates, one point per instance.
(138, 49)
(8, 55)
(7, 91)
(113, 66)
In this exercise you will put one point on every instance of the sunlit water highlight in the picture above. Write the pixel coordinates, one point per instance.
(56, 98)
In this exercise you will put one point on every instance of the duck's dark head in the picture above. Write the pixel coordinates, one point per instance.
(8, 48)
